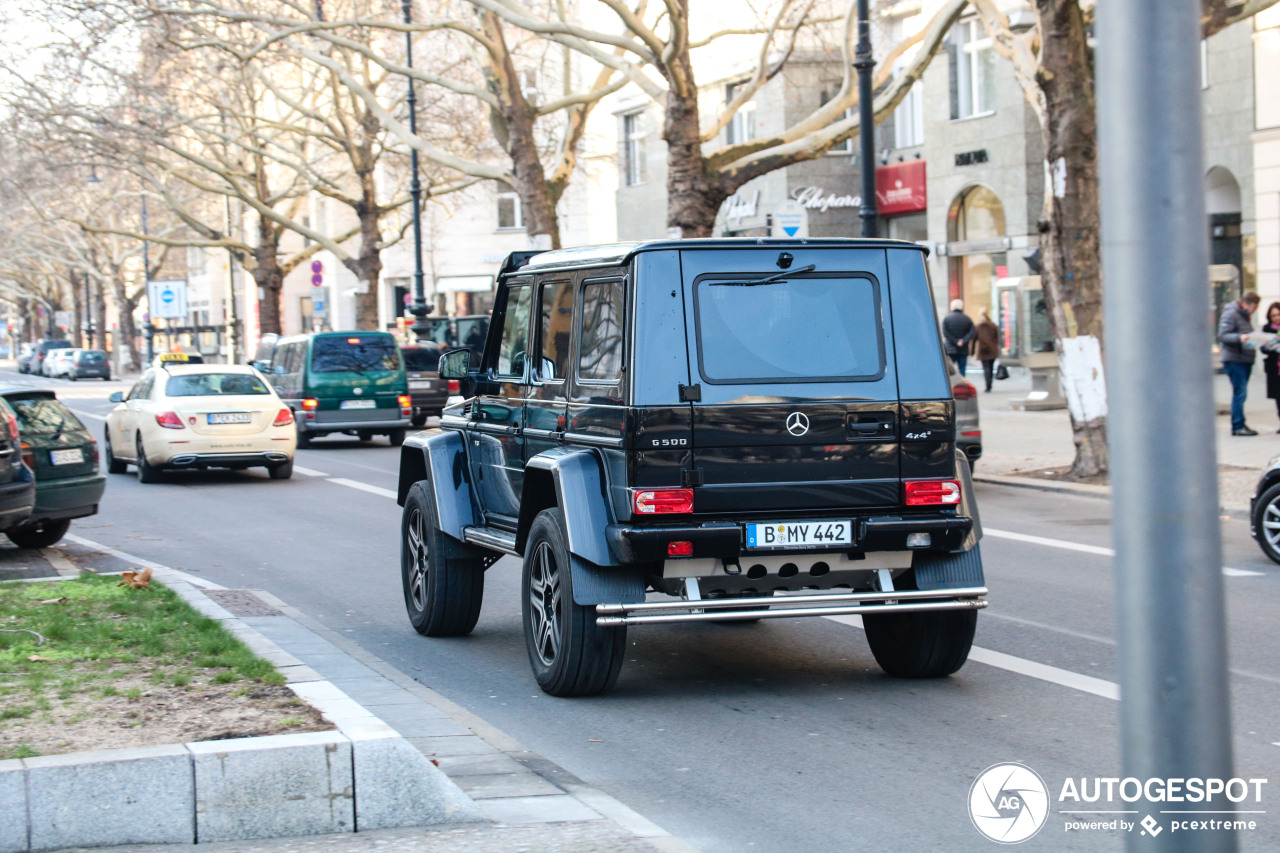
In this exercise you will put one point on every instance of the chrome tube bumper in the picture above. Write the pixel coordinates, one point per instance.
(785, 606)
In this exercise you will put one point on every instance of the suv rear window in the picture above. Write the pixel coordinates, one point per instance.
(43, 416)
(356, 353)
(814, 328)
(213, 385)
(421, 358)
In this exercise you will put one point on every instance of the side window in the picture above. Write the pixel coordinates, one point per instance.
(515, 332)
(142, 391)
(135, 391)
(555, 321)
(279, 358)
(296, 357)
(601, 339)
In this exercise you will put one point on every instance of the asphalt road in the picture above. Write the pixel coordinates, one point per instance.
(776, 736)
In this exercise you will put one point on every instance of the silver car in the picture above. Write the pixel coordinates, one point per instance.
(968, 427)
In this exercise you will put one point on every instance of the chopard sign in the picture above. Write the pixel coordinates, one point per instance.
(817, 198)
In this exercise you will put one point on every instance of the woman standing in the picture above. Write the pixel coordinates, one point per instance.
(1271, 359)
(986, 346)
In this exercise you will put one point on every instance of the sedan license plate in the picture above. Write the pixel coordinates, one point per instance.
(230, 418)
(419, 385)
(359, 404)
(73, 456)
(800, 534)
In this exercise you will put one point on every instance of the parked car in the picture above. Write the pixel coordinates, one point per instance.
(1264, 510)
(24, 357)
(758, 428)
(199, 416)
(63, 456)
(427, 391)
(55, 362)
(17, 483)
(343, 382)
(36, 363)
(86, 364)
(968, 427)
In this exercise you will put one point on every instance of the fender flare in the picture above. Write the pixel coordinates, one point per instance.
(441, 460)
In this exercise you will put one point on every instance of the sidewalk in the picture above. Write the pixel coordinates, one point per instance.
(529, 802)
(1016, 443)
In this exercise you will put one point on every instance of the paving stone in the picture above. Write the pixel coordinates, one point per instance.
(479, 765)
(519, 810)
(447, 745)
(397, 786)
(410, 723)
(522, 783)
(13, 807)
(298, 674)
(275, 786)
(116, 796)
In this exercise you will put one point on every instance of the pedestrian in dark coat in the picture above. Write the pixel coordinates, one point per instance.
(1238, 355)
(957, 332)
(1271, 356)
(986, 345)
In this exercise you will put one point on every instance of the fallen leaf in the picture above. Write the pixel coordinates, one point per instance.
(55, 601)
(435, 762)
(38, 658)
(594, 740)
(135, 580)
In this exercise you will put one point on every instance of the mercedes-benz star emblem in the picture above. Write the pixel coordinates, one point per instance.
(797, 424)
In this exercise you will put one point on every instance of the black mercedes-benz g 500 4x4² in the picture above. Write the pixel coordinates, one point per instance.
(701, 430)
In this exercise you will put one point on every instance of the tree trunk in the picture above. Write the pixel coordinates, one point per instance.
(268, 277)
(368, 267)
(1069, 241)
(127, 333)
(100, 313)
(77, 312)
(694, 194)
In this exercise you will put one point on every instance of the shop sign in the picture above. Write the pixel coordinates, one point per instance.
(817, 198)
(900, 188)
(740, 207)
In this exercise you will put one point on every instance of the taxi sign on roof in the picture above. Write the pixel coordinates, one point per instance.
(179, 358)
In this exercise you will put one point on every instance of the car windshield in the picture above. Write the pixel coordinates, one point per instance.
(358, 354)
(808, 329)
(43, 416)
(214, 385)
(421, 358)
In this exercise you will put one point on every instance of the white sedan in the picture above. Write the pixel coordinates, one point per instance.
(200, 416)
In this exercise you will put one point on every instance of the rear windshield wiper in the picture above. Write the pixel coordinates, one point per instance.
(773, 279)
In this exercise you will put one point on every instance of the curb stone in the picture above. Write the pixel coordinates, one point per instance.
(1081, 489)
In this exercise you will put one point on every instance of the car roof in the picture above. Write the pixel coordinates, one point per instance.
(178, 369)
(616, 254)
(347, 334)
(27, 391)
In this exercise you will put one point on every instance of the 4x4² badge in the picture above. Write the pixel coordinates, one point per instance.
(797, 424)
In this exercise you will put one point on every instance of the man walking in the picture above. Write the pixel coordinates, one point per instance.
(1234, 330)
(957, 332)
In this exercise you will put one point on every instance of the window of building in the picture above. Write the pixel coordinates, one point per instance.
(633, 149)
(510, 214)
(972, 60)
(908, 120)
(742, 127)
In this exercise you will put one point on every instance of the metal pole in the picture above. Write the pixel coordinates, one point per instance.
(420, 309)
(150, 328)
(864, 62)
(1171, 638)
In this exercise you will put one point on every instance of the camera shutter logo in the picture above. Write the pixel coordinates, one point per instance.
(797, 424)
(1008, 803)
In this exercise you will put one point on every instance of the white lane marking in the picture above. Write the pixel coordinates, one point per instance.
(1022, 666)
(364, 487)
(308, 472)
(85, 414)
(139, 561)
(1090, 549)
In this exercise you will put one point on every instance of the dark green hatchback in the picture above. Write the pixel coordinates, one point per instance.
(63, 455)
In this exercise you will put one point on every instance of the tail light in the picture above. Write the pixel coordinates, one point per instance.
(310, 404)
(283, 418)
(662, 501)
(28, 456)
(404, 401)
(455, 386)
(169, 420)
(932, 492)
(964, 391)
(93, 451)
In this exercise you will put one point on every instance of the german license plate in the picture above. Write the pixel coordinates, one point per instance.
(359, 404)
(72, 456)
(800, 534)
(229, 418)
(420, 384)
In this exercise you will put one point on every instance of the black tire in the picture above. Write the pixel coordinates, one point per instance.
(147, 473)
(928, 644)
(1266, 511)
(364, 434)
(73, 377)
(114, 465)
(396, 437)
(41, 534)
(443, 580)
(420, 420)
(304, 437)
(570, 654)
(283, 471)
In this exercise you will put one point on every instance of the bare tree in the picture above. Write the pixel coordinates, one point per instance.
(1053, 61)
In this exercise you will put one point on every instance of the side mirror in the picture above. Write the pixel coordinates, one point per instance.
(117, 397)
(455, 363)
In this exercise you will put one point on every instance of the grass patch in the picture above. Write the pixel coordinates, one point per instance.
(104, 642)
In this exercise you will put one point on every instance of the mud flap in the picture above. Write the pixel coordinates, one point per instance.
(594, 584)
(948, 571)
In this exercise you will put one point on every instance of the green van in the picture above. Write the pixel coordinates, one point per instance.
(348, 382)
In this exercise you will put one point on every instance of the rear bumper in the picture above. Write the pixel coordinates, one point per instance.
(72, 497)
(724, 539)
(228, 460)
(17, 500)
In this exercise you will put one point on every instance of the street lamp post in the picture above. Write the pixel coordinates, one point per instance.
(420, 309)
(864, 62)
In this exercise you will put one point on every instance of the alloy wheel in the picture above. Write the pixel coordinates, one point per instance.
(544, 603)
(1271, 524)
(418, 557)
